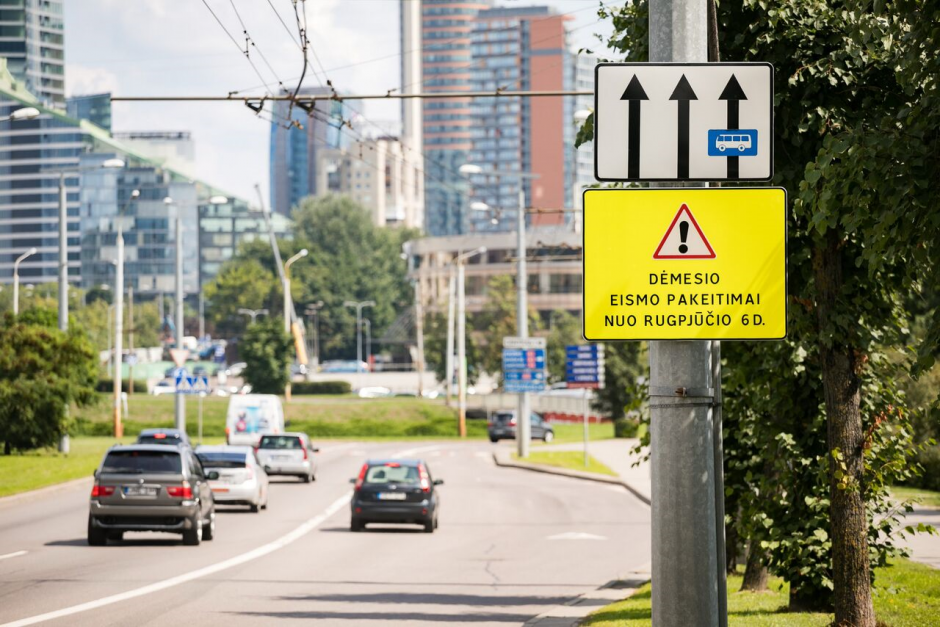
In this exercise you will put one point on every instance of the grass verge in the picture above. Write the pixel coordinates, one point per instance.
(319, 417)
(571, 432)
(926, 498)
(907, 594)
(570, 460)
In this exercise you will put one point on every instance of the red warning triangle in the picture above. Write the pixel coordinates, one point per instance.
(684, 239)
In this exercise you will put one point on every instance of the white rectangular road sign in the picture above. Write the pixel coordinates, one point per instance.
(524, 343)
(683, 122)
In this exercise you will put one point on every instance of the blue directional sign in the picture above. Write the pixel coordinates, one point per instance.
(523, 364)
(584, 367)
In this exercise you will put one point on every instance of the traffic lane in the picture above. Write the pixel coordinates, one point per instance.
(60, 570)
(511, 544)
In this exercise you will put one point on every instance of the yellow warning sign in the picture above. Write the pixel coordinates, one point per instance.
(685, 264)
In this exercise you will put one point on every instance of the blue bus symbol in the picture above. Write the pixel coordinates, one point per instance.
(732, 142)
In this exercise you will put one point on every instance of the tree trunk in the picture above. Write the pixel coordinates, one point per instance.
(732, 538)
(756, 576)
(852, 601)
(7, 449)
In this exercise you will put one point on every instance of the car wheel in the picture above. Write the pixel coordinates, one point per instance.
(96, 537)
(356, 525)
(305, 478)
(548, 437)
(254, 508)
(117, 536)
(208, 531)
(429, 526)
(437, 523)
(494, 440)
(193, 535)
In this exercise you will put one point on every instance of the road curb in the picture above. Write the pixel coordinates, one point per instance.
(503, 459)
(571, 614)
(65, 485)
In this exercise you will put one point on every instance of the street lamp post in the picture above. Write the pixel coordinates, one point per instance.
(449, 360)
(288, 306)
(253, 313)
(314, 310)
(180, 399)
(16, 279)
(359, 305)
(118, 313)
(462, 340)
(368, 324)
(524, 427)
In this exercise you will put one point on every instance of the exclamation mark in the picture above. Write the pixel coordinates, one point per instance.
(683, 235)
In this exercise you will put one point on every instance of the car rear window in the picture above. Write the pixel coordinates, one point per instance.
(280, 441)
(392, 474)
(502, 417)
(140, 462)
(222, 460)
(159, 439)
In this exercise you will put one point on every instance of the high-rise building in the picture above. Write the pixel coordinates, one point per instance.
(32, 39)
(294, 149)
(522, 48)
(174, 149)
(584, 155)
(96, 108)
(379, 175)
(444, 42)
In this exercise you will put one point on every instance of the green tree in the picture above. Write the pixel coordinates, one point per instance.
(435, 349)
(498, 320)
(268, 353)
(857, 125)
(242, 283)
(42, 371)
(624, 365)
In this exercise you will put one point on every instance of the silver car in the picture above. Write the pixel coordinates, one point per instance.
(288, 454)
(241, 481)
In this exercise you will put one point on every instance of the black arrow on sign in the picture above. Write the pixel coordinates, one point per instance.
(734, 95)
(634, 93)
(683, 93)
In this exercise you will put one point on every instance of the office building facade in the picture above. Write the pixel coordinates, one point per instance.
(296, 138)
(32, 40)
(96, 108)
(173, 149)
(379, 175)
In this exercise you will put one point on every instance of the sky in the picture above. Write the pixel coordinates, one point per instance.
(177, 48)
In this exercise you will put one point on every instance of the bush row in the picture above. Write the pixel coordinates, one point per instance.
(321, 387)
(107, 385)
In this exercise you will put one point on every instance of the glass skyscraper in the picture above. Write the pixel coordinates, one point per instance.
(32, 41)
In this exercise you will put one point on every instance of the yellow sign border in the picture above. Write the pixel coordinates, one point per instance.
(696, 190)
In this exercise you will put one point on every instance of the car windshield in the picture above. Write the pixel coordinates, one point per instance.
(392, 474)
(159, 438)
(222, 460)
(280, 441)
(140, 462)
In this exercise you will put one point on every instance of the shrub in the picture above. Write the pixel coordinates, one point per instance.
(107, 385)
(321, 387)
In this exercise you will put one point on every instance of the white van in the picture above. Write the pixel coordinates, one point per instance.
(252, 415)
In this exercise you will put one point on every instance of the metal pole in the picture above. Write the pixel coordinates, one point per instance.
(316, 335)
(118, 329)
(358, 337)
(130, 339)
(461, 353)
(585, 416)
(110, 352)
(180, 406)
(419, 333)
(63, 256)
(449, 359)
(523, 425)
(287, 306)
(202, 314)
(16, 289)
(685, 564)
(368, 324)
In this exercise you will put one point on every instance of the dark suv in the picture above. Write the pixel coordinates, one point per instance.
(502, 426)
(151, 487)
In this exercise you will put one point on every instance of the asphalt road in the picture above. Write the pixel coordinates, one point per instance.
(511, 544)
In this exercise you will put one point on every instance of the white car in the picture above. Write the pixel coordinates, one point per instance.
(235, 370)
(374, 392)
(288, 454)
(163, 387)
(242, 480)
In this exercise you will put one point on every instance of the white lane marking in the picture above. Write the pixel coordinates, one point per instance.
(575, 535)
(14, 554)
(484, 454)
(261, 551)
(409, 453)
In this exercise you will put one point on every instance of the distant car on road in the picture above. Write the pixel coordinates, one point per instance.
(236, 369)
(502, 426)
(252, 415)
(288, 454)
(395, 491)
(374, 392)
(146, 487)
(242, 480)
(163, 387)
(171, 437)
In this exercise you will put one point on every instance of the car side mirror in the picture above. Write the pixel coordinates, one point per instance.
(314, 449)
(95, 473)
(267, 469)
(213, 475)
(438, 482)
(286, 423)
(352, 481)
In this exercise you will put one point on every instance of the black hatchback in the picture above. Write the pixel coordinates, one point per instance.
(395, 491)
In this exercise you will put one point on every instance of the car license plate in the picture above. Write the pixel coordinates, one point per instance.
(391, 496)
(140, 490)
(281, 458)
